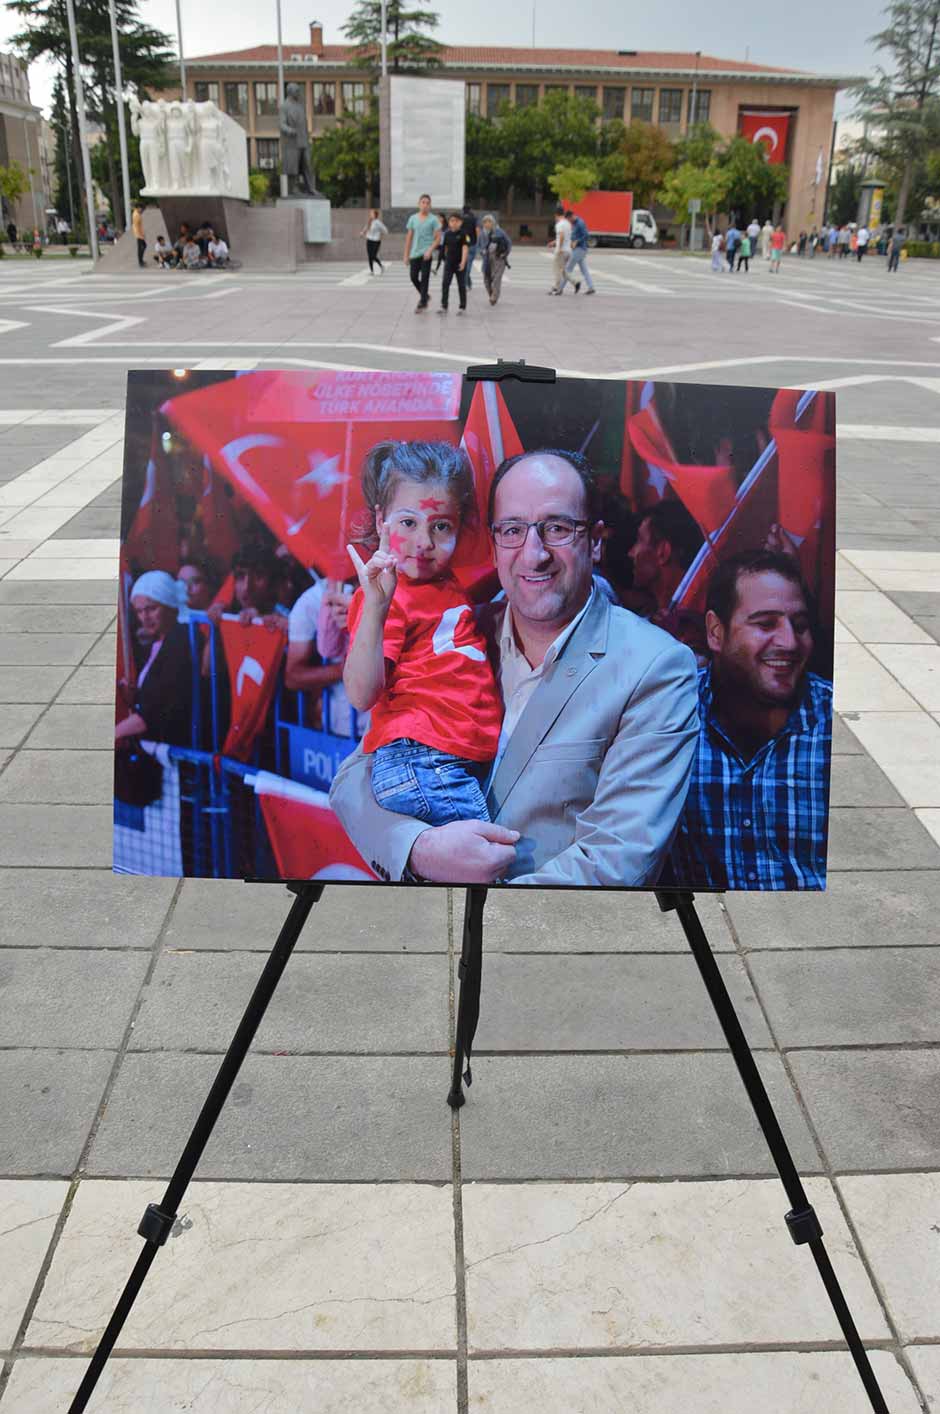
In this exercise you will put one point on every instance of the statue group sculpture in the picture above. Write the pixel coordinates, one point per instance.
(182, 146)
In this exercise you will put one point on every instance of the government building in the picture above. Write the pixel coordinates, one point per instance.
(789, 111)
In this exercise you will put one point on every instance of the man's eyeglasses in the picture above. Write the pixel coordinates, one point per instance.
(559, 530)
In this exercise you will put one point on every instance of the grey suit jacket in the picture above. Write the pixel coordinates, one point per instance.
(595, 774)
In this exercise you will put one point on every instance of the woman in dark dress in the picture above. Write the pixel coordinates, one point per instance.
(162, 707)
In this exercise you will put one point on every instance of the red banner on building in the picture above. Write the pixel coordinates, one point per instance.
(770, 129)
(253, 654)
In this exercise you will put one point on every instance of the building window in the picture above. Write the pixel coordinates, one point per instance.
(613, 103)
(670, 105)
(527, 95)
(473, 98)
(588, 91)
(236, 100)
(496, 95)
(268, 153)
(266, 100)
(206, 92)
(355, 99)
(324, 99)
(641, 105)
(700, 104)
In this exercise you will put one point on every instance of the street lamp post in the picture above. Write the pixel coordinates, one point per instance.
(693, 114)
(37, 223)
(179, 33)
(119, 104)
(82, 139)
(280, 90)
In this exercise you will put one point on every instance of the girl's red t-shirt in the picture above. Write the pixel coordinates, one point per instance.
(442, 691)
(778, 240)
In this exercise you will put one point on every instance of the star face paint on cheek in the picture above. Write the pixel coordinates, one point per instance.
(397, 542)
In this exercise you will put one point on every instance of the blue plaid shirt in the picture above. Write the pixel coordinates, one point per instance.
(758, 824)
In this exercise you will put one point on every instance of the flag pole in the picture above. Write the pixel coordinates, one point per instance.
(119, 104)
(82, 136)
(179, 32)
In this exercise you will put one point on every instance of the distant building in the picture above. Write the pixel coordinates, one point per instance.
(20, 142)
(789, 110)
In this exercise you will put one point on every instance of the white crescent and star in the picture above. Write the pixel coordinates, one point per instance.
(769, 133)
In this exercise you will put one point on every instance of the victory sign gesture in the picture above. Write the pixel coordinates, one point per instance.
(378, 576)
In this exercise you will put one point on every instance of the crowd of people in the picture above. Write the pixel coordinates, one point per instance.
(733, 249)
(201, 249)
(445, 245)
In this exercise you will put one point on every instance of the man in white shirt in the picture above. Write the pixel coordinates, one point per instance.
(753, 231)
(562, 249)
(218, 251)
(303, 674)
(862, 239)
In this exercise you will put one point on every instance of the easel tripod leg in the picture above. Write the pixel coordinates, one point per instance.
(803, 1224)
(157, 1222)
(470, 972)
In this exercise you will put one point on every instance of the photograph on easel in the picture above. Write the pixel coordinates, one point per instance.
(416, 627)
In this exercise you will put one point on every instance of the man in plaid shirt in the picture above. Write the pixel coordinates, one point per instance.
(757, 809)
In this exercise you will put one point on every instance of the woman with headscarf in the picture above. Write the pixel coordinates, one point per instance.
(162, 705)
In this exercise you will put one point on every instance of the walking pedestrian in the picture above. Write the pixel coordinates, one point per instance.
(137, 225)
(766, 231)
(718, 245)
(454, 249)
(495, 246)
(422, 237)
(895, 246)
(753, 233)
(578, 258)
(469, 227)
(813, 243)
(744, 253)
(801, 243)
(374, 229)
(732, 239)
(561, 246)
(778, 243)
(861, 242)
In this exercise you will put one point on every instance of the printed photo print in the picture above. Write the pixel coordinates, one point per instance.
(406, 627)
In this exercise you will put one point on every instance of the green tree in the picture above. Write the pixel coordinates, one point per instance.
(700, 145)
(146, 61)
(844, 194)
(570, 183)
(487, 164)
(687, 182)
(346, 159)
(561, 131)
(409, 46)
(639, 162)
(755, 186)
(65, 194)
(899, 103)
(14, 183)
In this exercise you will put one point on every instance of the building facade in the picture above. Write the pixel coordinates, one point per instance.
(673, 91)
(20, 134)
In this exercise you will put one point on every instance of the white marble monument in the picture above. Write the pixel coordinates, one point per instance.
(189, 149)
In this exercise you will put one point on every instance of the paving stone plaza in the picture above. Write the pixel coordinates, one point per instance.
(600, 1228)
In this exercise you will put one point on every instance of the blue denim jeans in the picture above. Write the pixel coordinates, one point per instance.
(578, 261)
(413, 779)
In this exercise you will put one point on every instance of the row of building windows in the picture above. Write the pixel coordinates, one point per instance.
(643, 106)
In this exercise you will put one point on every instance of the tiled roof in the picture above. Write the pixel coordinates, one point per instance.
(460, 55)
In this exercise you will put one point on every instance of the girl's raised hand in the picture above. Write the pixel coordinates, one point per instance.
(379, 575)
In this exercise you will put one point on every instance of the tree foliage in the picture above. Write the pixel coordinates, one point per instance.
(570, 183)
(755, 185)
(346, 159)
(638, 162)
(687, 182)
(844, 194)
(901, 104)
(14, 183)
(408, 44)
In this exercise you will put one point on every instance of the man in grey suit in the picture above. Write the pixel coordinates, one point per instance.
(600, 722)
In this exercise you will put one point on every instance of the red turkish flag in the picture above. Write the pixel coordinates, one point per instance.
(807, 450)
(707, 492)
(292, 444)
(126, 668)
(769, 129)
(489, 437)
(153, 541)
(253, 654)
(307, 839)
(217, 514)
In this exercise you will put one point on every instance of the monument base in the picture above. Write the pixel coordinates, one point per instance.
(259, 238)
(316, 216)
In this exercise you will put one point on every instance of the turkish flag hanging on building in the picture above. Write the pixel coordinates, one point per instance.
(253, 655)
(153, 541)
(292, 444)
(770, 129)
(307, 839)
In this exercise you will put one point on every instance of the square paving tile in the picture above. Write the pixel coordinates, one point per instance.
(610, 1116)
(873, 618)
(863, 685)
(608, 1003)
(844, 742)
(906, 745)
(876, 909)
(234, 1386)
(587, 921)
(916, 667)
(877, 838)
(873, 1109)
(856, 780)
(851, 996)
(295, 1118)
(260, 1267)
(63, 618)
(16, 719)
(81, 908)
(59, 997)
(36, 650)
(925, 1360)
(31, 684)
(59, 777)
(38, 591)
(576, 1265)
(57, 836)
(90, 685)
(28, 1212)
(789, 1382)
(48, 1100)
(896, 1219)
(349, 1003)
(87, 727)
(222, 913)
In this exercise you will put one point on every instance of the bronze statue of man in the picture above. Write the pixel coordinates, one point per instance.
(295, 142)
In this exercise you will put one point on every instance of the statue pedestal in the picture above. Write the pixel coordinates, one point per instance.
(316, 216)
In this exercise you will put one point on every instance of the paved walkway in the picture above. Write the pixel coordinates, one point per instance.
(599, 1229)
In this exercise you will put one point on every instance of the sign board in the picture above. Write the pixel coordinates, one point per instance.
(695, 205)
(426, 133)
